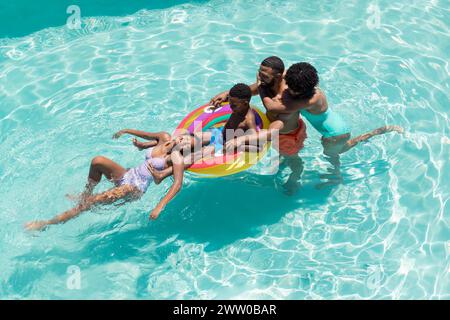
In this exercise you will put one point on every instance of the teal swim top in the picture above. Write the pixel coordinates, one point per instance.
(329, 124)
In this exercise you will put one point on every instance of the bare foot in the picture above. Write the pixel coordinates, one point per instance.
(36, 226)
(397, 129)
(386, 129)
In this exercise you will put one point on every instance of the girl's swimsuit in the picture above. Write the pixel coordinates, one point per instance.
(329, 124)
(140, 177)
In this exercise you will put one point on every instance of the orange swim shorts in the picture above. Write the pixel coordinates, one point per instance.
(291, 143)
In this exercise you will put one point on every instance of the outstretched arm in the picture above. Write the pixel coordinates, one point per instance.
(143, 134)
(178, 173)
(271, 104)
(265, 135)
(144, 145)
(219, 99)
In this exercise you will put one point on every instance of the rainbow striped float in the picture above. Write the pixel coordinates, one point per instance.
(205, 118)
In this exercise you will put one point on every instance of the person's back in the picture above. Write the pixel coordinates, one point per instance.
(304, 94)
(290, 120)
(324, 119)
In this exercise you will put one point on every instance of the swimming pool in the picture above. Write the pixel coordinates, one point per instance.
(383, 233)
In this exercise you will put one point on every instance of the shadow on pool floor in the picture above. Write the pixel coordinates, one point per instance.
(219, 212)
(216, 215)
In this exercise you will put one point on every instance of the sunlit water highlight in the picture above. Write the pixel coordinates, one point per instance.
(382, 233)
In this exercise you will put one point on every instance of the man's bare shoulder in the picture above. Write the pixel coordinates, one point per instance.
(318, 99)
(315, 99)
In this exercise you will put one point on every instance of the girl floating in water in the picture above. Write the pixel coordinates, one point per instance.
(129, 184)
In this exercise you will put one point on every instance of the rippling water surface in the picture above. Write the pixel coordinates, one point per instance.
(382, 233)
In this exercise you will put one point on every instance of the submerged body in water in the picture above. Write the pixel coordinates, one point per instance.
(131, 183)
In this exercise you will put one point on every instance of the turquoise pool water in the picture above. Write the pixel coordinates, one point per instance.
(383, 233)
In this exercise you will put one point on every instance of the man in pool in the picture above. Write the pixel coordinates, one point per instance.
(289, 125)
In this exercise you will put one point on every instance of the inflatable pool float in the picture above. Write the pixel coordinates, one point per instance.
(205, 118)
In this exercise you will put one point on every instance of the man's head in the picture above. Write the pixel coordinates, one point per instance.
(240, 96)
(271, 70)
(302, 80)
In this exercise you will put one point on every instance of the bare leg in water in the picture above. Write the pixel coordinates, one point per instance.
(293, 184)
(335, 146)
(100, 166)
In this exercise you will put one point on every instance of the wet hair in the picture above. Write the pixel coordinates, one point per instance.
(241, 91)
(275, 63)
(302, 78)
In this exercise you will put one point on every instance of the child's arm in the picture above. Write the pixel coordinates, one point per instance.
(178, 173)
(144, 145)
(224, 96)
(255, 140)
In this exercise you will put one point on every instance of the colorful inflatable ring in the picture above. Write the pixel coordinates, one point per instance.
(218, 165)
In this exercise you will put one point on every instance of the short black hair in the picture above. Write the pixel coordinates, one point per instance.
(241, 91)
(302, 78)
(275, 63)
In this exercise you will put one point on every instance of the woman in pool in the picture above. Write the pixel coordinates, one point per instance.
(302, 93)
(129, 184)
